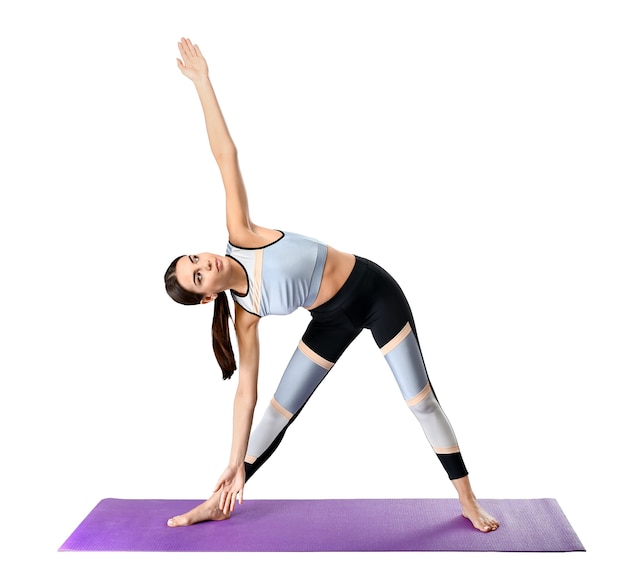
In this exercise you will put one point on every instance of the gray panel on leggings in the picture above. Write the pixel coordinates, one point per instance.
(406, 363)
(300, 379)
(434, 422)
(266, 431)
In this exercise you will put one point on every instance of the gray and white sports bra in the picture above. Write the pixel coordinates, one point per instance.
(282, 276)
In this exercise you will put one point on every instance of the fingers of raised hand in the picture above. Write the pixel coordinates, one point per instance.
(187, 49)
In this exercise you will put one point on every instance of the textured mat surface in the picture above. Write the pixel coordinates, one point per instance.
(353, 525)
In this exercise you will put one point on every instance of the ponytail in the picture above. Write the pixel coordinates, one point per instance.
(221, 336)
(221, 315)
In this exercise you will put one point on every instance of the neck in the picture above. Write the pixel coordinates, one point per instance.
(239, 282)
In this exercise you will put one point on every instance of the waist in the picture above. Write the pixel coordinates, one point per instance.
(348, 288)
(337, 270)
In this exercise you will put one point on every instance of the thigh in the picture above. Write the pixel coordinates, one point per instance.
(389, 310)
(329, 336)
(317, 352)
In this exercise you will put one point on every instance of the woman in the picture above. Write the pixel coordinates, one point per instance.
(272, 272)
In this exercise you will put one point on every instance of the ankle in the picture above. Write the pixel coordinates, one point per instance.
(468, 501)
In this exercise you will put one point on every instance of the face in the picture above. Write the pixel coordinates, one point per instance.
(203, 273)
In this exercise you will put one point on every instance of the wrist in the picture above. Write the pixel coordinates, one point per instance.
(202, 82)
(236, 462)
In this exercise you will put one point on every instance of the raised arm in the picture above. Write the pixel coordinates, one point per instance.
(194, 66)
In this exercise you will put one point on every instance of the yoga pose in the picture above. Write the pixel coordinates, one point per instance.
(270, 271)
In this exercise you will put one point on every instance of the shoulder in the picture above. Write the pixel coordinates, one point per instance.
(254, 236)
(245, 321)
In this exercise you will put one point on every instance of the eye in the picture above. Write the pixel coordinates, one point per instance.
(199, 277)
(196, 259)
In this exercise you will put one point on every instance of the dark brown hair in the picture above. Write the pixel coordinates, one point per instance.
(221, 315)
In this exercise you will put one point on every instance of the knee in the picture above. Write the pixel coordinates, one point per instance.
(426, 406)
(424, 403)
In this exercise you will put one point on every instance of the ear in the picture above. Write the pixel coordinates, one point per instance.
(208, 299)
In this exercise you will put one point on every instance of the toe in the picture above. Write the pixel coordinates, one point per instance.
(177, 521)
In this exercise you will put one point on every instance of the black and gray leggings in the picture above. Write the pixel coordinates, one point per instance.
(371, 299)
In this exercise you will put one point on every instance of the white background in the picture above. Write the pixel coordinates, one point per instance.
(474, 149)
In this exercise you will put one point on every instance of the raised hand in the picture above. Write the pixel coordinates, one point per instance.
(193, 64)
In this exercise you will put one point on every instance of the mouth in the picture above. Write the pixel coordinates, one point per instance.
(218, 265)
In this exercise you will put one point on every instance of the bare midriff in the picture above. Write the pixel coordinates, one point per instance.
(337, 269)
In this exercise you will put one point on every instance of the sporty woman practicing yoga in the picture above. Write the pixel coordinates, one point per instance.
(274, 272)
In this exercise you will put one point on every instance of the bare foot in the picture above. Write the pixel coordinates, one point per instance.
(471, 510)
(481, 520)
(207, 511)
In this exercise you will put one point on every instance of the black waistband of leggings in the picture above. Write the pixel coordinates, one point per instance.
(348, 289)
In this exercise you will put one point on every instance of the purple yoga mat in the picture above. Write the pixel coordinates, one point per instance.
(327, 525)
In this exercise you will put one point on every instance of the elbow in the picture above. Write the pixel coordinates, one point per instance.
(226, 155)
(246, 398)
